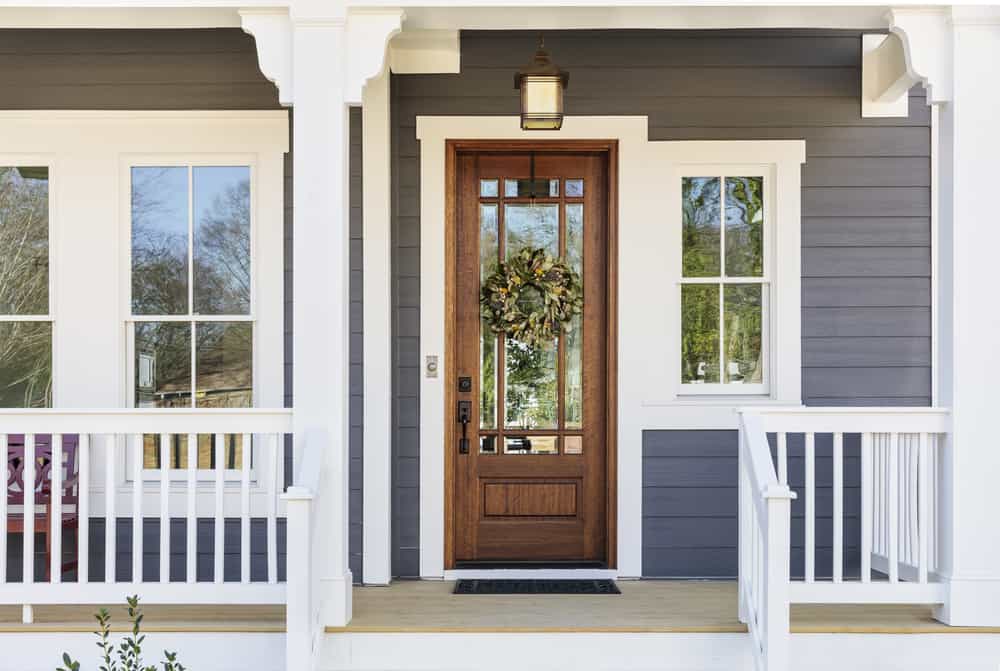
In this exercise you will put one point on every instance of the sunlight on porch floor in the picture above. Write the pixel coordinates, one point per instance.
(215, 618)
(648, 606)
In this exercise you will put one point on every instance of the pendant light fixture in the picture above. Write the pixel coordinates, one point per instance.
(541, 83)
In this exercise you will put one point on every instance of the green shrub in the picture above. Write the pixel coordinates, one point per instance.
(128, 655)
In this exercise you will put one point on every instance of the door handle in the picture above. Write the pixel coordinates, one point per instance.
(464, 416)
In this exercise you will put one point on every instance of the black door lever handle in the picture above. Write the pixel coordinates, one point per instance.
(464, 416)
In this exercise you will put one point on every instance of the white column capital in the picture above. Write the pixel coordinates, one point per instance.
(926, 33)
(363, 52)
(368, 33)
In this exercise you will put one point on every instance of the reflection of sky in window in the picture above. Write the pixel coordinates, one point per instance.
(211, 183)
(159, 200)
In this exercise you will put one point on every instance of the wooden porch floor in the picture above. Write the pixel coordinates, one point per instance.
(413, 606)
(647, 606)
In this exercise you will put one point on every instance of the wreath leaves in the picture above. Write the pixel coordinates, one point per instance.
(532, 297)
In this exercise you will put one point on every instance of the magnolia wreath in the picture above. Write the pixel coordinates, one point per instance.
(531, 297)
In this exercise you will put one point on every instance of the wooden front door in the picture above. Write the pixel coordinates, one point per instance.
(531, 483)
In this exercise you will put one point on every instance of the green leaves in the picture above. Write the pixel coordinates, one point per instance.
(532, 297)
(128, 651)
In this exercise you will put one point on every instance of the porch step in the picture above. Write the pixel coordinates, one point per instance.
(585, 651)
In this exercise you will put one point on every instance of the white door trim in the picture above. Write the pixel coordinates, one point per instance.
(647, 396)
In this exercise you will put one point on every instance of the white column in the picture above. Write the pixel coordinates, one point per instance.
(320, 312)
(969, 321)
(376, 144)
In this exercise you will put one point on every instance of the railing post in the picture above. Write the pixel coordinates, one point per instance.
(300, 621)
(743, 501)
(775, 616)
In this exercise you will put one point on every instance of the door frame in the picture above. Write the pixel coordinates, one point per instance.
(610, 149)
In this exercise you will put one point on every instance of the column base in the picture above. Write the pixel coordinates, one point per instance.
(335, 594)
(970, 602)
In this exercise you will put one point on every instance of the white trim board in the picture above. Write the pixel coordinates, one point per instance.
(645, 400)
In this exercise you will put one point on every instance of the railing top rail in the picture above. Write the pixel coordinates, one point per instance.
(146, 420)
(798, 419)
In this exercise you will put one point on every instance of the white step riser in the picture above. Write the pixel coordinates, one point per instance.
(649, 652)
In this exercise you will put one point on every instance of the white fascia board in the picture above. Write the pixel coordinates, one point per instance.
(43, 15)
(448, 14)
(582, 15)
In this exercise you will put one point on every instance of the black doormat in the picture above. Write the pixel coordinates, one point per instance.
(536, 587)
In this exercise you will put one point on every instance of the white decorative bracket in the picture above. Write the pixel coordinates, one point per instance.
(272, 29)
(926, 36)
(368, 35)
(885, 79)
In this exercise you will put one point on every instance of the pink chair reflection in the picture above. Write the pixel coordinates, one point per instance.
(44, 523)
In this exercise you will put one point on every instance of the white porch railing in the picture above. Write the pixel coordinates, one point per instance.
(896, 454)
(98, 464)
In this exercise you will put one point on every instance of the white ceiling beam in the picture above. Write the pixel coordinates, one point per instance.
(885, 79)
(425, 52)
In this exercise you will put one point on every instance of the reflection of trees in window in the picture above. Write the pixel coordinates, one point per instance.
(722, 304)
(222, 251)
(25, 346)
(219, 260)
(159, 241)
(531, 385)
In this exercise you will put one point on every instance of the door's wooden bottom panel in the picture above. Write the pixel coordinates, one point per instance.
(530, 499)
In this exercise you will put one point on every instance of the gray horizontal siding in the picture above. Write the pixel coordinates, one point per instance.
(131, 70)
(356, 353)
(865, 234)
(690, 504)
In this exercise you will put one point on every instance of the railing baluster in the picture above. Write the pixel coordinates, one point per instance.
(220, 520)
(882, 508)
(29, 509)
(913, 512)
(3, 511)
(273, 445)
(782, 458)
(245, 457)
(191, 528)
(893, 500)
(866, 506)
(137, 455)
(838, 507)
(55, 508)
(924, 492)
(82, 509)
(165, 439)
(110, 524)
(810, 567)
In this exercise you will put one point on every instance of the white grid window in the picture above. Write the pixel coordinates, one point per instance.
(724, 287)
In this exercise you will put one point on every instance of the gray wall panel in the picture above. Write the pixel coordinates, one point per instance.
(865, 234)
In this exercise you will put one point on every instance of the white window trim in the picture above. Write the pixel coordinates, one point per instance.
(723, 170)
(40, 161)
(89, 261)
(779, 162)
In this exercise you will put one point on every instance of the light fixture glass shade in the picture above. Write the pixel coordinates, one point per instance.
(541, 102)
(541, 83)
